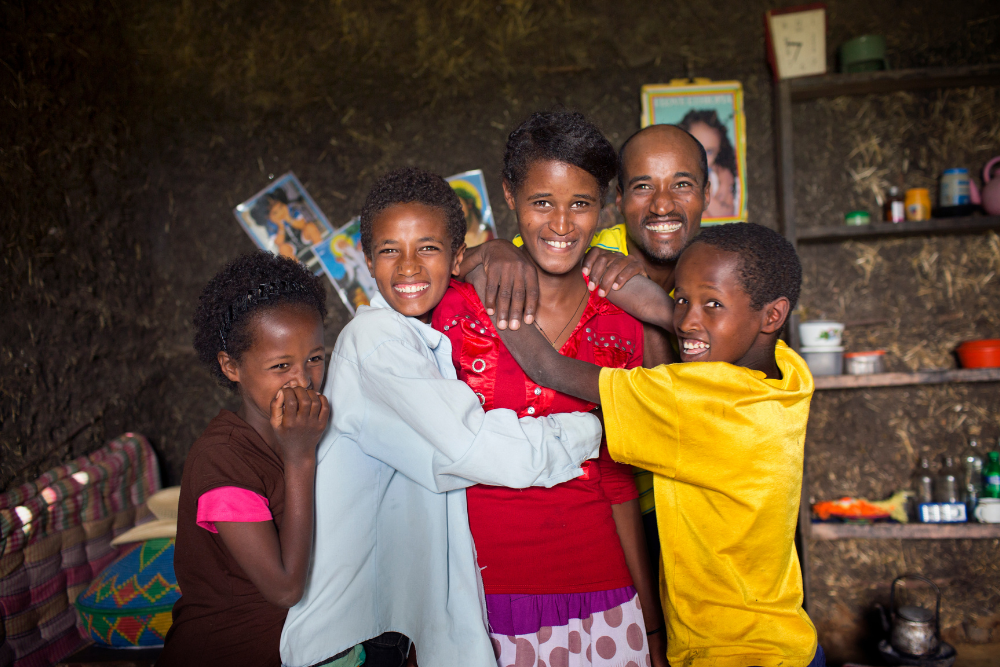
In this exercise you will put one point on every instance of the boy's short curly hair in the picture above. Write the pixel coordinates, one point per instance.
(769, 266)
(412, 185)
(243, 289)
(562, 136)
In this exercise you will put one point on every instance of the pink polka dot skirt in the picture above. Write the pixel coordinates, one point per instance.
(612, 638)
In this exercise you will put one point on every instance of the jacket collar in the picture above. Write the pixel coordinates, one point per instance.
(430, 335)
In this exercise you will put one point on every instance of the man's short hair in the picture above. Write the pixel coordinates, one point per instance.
(702, 157)
(769, 266)
(412, 185)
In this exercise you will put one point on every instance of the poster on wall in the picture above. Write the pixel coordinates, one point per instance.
(712, 111)
(283, 219)
(470, 186)
(343, 260)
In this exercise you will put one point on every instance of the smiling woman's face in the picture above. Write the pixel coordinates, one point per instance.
(558, 206)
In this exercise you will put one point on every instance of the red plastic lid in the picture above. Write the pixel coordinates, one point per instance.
(870, 353)
(982, 342)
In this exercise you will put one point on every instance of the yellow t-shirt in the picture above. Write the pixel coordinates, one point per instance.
(613, 239)
(727, 483)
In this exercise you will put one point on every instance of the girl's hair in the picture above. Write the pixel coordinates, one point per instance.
(246, 287)
(563, 136)
(412, 185)
(727, 155)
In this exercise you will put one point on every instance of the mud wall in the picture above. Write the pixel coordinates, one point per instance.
(135, 127)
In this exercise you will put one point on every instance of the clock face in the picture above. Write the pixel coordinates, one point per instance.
(799, 43)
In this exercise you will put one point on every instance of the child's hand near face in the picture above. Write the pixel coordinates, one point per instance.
(299, 417)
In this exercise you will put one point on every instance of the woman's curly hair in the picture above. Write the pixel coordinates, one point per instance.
(248, 285)
(562, 136)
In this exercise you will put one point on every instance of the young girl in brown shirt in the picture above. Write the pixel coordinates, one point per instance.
(244, 525)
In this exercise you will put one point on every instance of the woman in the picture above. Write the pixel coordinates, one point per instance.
(561, 566)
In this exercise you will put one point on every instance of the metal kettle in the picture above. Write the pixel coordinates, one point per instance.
(915, 630)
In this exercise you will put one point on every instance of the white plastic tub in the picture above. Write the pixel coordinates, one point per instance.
(824, 360)
(820, 333)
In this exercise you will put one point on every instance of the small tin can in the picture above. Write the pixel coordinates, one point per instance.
(918, 204)
(955, 187)
(858, 218)
(864, 363)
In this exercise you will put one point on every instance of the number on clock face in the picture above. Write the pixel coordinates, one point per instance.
(799, 41)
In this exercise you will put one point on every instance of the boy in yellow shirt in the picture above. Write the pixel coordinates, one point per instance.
(723, 432)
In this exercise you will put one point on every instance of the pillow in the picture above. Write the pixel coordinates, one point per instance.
(130, 602)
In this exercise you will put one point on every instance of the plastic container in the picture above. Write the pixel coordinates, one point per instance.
(955, 189)
(983, 353)
(821, 333)
(824, 360)
(864, 363)
(918, 204)
(857, 218)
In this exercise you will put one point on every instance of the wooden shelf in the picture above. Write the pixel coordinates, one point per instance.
(904, 531)
(834, 85)
(963, 225)
(824, 382)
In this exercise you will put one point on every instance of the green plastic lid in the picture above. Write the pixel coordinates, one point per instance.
(858, 218)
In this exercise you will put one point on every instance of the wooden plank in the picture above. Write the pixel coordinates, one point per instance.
(905, 531)
(834, 85)
(964, 225)
(824, 382)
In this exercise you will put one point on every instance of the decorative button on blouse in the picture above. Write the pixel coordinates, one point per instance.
(538, 391)
(531, 410)
(479, 365)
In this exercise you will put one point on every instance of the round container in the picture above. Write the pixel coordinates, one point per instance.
(858, 218)
(955, 188)
(984, 353)
(918, 204)
(863, 54)
(824, 360)
(864, 363)
(820, 333)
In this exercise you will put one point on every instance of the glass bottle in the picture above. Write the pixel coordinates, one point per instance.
(991, 476)
(946, 487)
(972, 477)
(894, 210)
(925, 482)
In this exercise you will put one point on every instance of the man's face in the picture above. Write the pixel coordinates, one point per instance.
(664, 195)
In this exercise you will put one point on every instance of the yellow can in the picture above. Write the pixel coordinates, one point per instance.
(918, 204)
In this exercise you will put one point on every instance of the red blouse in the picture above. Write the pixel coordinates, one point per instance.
(541, 541)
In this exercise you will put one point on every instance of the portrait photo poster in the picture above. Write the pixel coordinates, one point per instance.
(283, 219)
(343, 261)
(712, 111)
(470, 186)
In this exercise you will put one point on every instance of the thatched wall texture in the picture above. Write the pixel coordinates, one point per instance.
(132, 128)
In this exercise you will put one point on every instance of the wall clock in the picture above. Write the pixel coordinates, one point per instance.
(796, 40)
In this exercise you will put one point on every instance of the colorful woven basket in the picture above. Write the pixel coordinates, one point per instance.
(130, 602)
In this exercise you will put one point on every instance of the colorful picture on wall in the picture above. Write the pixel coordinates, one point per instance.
(343, 261)
(470, 186)
(284, 219)
(713, 113)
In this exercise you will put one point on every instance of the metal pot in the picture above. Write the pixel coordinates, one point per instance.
(914, 629)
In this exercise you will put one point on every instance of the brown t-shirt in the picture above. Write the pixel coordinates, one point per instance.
(221, 618)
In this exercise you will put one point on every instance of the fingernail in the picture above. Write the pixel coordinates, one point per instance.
(501, 324)
(489, 311)
(601, 293)
(615, 286)
(514, 324)
(591, 285)
(528, 319)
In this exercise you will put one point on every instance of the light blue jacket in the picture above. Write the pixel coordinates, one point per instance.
(393, 550)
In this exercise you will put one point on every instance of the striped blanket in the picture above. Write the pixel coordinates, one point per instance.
(55, 536)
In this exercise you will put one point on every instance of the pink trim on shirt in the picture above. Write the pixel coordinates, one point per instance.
(231, 503)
